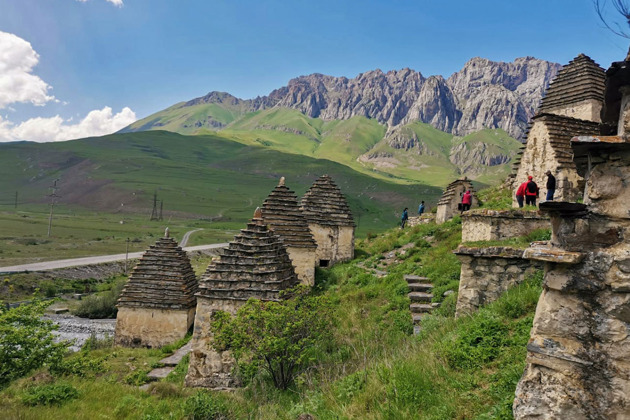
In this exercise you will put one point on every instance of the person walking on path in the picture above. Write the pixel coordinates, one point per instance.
(551, 185)
(421, 209)
(466, 201)
(405, 216)
(520, 194)
(531, 191)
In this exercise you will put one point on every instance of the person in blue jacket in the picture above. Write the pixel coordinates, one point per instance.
(421, 209)
(405, 216)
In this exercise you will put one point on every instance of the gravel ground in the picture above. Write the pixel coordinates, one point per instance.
(80, 329)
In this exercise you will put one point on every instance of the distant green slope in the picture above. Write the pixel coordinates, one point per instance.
(203, 176)
(435, 158)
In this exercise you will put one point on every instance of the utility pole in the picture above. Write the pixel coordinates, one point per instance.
(126, 256)
(154, 214)
(52, 196)
(16, 199)
(161, 207)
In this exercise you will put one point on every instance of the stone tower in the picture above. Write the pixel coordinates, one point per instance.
(452, 196)
(571, 107)
(578, 360)
(157, 305)
(330, 220)
(281, 212)
(254, 265)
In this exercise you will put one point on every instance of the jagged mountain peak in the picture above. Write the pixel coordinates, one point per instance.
(483, 94)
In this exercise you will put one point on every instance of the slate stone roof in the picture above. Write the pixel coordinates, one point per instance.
(254, 265)
(163, 278)
(281, 212)
(324, 204)
(579, 80)
(449, 192)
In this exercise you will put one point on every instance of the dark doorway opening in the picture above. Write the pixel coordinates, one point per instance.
(324, 263)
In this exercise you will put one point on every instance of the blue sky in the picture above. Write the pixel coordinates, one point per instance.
(145, 55)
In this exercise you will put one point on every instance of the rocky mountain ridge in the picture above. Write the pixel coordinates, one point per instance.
(484, 94)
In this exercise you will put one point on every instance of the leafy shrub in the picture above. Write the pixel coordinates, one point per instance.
(203, 406)
(280, 337)
(137, 377)
(54, 394)
(26, 341)
(80, 365)
(95, 343)
(476, 342)
(101, 306)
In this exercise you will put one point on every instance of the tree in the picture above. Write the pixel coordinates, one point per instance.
(622, 7)
(281, 338)
(26, 341)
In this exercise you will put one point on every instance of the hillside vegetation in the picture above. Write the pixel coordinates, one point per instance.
(204, 177)
(415, 152)
(374, 368)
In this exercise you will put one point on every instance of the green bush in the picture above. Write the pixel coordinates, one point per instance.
(101, 306)
(26, 341)
(280, 337)
(54, 394)
(203, 406)
(137, 377)
(79, 365)
(476, 342)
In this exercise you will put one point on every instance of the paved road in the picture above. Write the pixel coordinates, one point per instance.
(51, 265)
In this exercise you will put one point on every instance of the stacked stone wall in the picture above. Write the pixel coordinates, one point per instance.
(487, 273)
(303, 260)
(496, 225)
(145, 327)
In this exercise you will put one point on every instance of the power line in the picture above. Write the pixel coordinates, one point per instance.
(52, 196)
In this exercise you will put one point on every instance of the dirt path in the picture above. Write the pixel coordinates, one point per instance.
(187, 237)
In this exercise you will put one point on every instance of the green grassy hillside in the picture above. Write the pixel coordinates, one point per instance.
(373, 368)
(196, 176)
(360, 143)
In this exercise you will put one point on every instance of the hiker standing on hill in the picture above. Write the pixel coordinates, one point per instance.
(466, 201)
(405, 216)
(421, 209)
(531, 191)
(520, 194)
(551, 185)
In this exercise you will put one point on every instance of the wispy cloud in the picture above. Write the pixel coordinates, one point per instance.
(17, 83)
(96, 123)
(118, 3)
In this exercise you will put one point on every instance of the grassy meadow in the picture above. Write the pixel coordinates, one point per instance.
(375, 368)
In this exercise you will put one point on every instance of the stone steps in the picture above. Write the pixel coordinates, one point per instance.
(420, 296)
(169, 363)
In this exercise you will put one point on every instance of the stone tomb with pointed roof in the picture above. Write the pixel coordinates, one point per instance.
(447, 207)
(254, 265)
(157, 305)
(330, 220)
(571, 106)
(281, 212)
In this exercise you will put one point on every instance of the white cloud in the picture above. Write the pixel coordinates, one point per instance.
(17, 84)
(118, 3)
(96, 123)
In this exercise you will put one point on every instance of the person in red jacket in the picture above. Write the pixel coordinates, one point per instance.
(520, 194)
(531, 192)
(466, 201)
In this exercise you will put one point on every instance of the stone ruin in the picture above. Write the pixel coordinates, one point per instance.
(487, 272)
(281, 212)
(330, 220)
(157, 305)
(447, 207)
(570, 107)
(578, 361)
(496, 225)
(254, 265)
